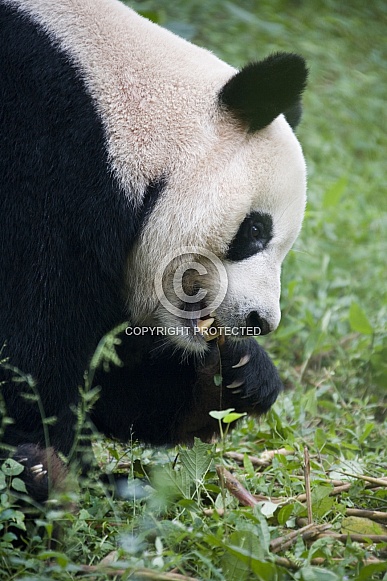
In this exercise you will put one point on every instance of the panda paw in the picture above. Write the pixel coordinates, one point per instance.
(43, 470)
(250, 380)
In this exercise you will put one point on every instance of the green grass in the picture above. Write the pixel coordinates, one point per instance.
(331, 347)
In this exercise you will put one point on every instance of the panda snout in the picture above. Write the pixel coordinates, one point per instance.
(253, 319)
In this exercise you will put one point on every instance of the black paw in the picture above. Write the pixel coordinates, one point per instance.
(250, 379)
(42, 470)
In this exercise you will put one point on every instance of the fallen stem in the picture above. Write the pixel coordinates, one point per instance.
(307, 532)
(264, 460)
(235, 487)
(343, 537)
(284, 562)
(371, 514)
(370, 479)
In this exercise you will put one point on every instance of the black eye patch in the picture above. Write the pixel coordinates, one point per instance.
(253, 236)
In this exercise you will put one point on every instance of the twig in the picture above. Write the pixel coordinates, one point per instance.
(372, 514)
(211, 511)
(238, 457)
(334, 492)
(301, 497)
(308, 493)
(235, 487)
(320, 480)
(370, 479)
(307, 532)
(355, 537)
(284, 562)
(264, 460)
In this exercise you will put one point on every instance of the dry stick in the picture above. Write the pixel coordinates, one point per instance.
(307, 536)
(284, 562)
(308, 531)
(302, 497)
(139, 574)
(370, 479)
(372, 514)
(344, 536)
(264, 460)
(355, 537)
(235, 487)
(334, 492)
(321, 480)
(307, 485)
(238, 457)
(360, 512)
(211, 511)
(299, 498)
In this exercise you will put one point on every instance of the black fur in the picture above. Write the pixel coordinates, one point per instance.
(43, 470)
(263, 90)
(164, 399)
(66, 229)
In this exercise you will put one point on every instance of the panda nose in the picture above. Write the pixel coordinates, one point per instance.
(254, 320)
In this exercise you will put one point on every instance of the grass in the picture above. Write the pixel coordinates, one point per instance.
(331, 349)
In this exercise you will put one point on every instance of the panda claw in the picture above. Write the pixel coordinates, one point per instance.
(243, 360)
(40, 475)
(37, 468)
(234, 384)
(235, 391)
(21, 460)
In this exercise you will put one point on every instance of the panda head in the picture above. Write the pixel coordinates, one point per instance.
(231, 208)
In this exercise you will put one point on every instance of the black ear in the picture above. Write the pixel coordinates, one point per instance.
(261, 91)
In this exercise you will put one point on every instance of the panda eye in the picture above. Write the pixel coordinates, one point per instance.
(253, 236)
(257, 231)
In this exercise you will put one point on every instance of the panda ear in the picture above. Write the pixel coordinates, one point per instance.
(263, 90)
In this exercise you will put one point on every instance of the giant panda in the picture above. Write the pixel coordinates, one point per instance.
(142, 180)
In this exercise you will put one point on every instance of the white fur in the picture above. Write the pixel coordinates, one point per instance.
(157, 97)
(150, 86)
